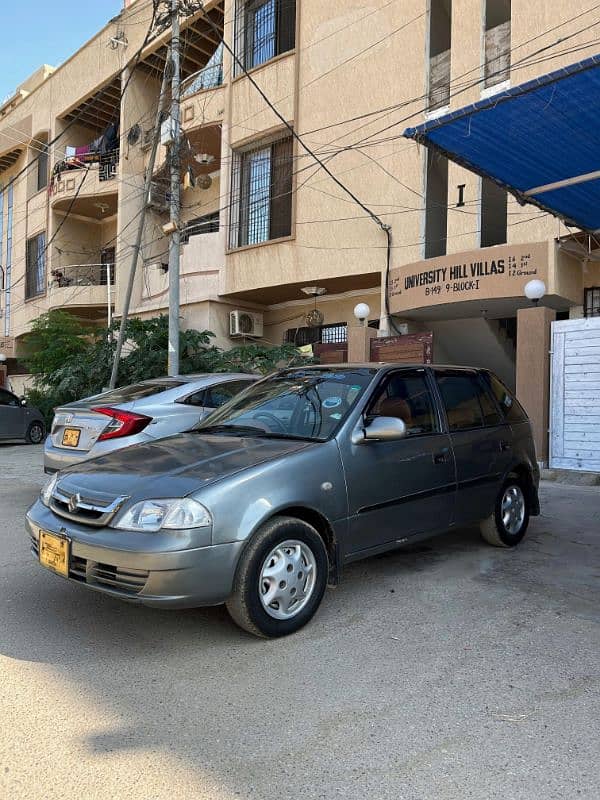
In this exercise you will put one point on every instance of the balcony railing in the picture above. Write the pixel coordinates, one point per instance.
(210, 77)
(81, 275)
(439, 80)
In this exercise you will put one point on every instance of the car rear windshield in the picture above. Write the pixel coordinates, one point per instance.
(137, 391)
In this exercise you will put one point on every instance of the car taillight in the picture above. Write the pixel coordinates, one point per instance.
(123, 423)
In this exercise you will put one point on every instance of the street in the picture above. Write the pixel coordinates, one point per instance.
(448, 671)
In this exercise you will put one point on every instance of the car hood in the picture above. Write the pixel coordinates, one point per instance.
(172, 467)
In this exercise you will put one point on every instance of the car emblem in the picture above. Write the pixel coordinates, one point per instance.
(74, 502)
(68, 419)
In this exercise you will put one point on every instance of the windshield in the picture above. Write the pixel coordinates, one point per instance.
(297, 404)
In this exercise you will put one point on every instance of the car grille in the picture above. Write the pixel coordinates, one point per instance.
(73, 506)
(94, 573)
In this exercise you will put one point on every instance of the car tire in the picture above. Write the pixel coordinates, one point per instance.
(35, 433)
(507, 526)
(280, 580)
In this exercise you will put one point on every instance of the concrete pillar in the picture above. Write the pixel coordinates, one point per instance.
(359, 343)
(3, 377)
(533, 371)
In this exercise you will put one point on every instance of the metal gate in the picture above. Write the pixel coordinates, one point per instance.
(575, 395)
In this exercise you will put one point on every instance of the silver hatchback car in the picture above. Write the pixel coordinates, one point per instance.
(142, 412)
(265, 502)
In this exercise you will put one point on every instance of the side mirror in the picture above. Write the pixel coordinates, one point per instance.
(23, 402)
(381, 429)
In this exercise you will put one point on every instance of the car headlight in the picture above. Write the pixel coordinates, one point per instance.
(171, 514)
(47, 489)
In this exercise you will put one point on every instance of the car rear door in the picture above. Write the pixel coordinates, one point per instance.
(12, 416)
(402, 488)
(481, 439)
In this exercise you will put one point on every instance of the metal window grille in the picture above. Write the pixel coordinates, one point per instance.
(261, 194)
(335, 333)
(209, 223)
(35, 269)
(263, 29)
(591, 302)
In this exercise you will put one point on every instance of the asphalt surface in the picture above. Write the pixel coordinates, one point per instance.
(451, 671)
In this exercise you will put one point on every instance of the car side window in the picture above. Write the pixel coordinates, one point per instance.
(8, 399)
(217, 396)
(461, 401)
(196, 399)
(511, 408)
(405, 395)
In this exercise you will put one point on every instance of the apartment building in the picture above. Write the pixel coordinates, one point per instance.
(291, 230)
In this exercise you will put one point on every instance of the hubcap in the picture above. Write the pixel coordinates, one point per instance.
(513, 509)
(287, 579)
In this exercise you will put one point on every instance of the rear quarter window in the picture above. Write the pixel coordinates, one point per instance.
(512, 410)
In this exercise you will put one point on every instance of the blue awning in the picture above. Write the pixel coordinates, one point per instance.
(540, 141)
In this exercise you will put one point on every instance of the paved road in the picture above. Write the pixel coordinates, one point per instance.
(449, 672)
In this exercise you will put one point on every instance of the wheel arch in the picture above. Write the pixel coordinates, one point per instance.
(524, 473)
(323, 527)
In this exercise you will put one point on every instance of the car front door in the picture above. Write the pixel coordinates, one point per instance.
(12, 416)
(481, 440)
(397, 489)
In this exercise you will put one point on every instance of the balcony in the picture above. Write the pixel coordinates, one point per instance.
(92, 188)
(81, 285)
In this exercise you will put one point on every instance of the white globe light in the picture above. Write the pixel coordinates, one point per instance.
(2, 358)
(535, 290)
(362, 311)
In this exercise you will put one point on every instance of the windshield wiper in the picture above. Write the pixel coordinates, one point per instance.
(235, 429)
(293, 436)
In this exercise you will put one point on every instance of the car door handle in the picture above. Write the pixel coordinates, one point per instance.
(441, 457)
(504, 446)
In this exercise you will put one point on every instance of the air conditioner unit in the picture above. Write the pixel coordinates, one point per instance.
(245, 323)
(157, 197)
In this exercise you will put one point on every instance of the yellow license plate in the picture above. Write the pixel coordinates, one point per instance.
(71, 437)
(54, 553)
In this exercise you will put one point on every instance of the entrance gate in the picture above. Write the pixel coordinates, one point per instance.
(575, 395)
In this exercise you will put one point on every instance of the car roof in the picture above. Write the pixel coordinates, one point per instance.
(382, 365)
(198, 376)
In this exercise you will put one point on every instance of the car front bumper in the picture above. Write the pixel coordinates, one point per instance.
(201, 576)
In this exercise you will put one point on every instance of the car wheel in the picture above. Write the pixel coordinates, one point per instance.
(508, 524)
(35, 433)
(280, 579)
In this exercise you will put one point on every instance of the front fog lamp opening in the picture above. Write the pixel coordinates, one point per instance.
(165, 514)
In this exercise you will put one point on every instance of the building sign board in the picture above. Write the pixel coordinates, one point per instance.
(489, 272)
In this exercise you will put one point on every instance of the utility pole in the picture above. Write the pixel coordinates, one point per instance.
(175, 205)
(140, 231)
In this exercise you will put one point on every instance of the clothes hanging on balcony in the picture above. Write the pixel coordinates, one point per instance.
(104, 150)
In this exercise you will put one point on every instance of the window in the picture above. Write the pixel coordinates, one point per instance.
(263, 29)
(218, 395)
(436, 204)
(8, 399)
(335, 333)
(406, 396)
(467, 402)
(35, 268)
(209, 223)
(493, 213)
(497, 42)
(440, 39)
(591, 302)
(261, 196)
(509, 405)
(137, 391)
(42, 165)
